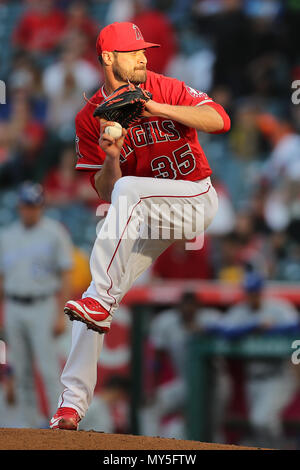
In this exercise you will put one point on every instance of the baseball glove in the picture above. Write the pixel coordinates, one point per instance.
(125, 105)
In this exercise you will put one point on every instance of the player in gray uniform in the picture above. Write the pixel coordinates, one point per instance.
(35, 263)
(269, 383)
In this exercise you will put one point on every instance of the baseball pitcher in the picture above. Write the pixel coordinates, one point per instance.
(147, 162)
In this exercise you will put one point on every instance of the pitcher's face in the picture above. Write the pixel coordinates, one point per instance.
(130, 66)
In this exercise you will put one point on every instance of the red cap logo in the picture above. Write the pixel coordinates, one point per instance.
(121, 37)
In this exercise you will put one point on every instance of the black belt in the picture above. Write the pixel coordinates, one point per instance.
(27, 299)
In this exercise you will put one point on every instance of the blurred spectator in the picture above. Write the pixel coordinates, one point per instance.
(284, 158)
(82, 31)
(26, 77)
(284, 258)
(292, 18)
(64, 84)
(245, 138)
(241, 248)
(179, 11)
(179, 263)
(120, 10)
(194, 67)
(281, 172)
(256, 206)
(156, 28)
(227, 26)
(269, 382)
(224, 220)
(282, 205)
(230, 268)
(60, 184)
(64, 186)
(78, 19)
(251, 243)
(35, 260)
(40, 28)
(21, 139)
(170, 331)
(108, 411)
(155, 25)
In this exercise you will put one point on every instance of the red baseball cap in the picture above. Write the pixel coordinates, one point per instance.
(121, 37)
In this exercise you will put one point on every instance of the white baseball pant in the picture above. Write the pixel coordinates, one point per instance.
(138, 206)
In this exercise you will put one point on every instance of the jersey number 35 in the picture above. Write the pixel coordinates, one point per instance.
(183, 163)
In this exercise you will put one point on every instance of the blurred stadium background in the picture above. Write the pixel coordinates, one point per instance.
(245, 54)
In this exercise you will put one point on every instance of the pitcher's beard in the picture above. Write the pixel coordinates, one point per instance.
(136, 77)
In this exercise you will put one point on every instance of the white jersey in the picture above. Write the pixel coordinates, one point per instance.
(31, 259)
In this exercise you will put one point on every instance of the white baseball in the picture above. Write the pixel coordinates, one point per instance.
(114, 131)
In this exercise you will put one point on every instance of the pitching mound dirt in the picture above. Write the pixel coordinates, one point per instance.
(44, 439)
